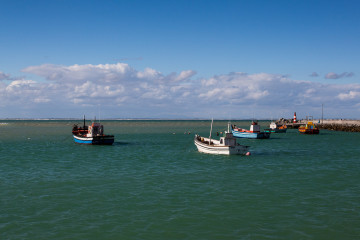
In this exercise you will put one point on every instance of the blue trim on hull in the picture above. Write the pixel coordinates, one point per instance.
(260, 135)
(83, 141)
(96, 141)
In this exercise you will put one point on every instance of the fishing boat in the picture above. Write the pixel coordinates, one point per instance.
(309, 128)
(92, 134)
(254, 132)
(226, 145)
(276, 128)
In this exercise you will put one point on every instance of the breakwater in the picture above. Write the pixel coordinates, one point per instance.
(328, 124)
(340, 127)
(345, 125)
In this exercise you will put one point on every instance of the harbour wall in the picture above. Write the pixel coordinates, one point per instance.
(331, 124)
(340, 127)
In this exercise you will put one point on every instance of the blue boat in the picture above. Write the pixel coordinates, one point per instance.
(92, 134)
(254, 132)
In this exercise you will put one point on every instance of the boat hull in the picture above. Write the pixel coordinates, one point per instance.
(96, 140)
(259, 135)
(223, 150)
(309, 131)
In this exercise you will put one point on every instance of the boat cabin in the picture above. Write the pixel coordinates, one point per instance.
(310, 125)
(95, 129)
(254, 127)
(228, 140)
(273, 125)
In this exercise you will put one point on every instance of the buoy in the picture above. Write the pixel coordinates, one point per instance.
(248, 154)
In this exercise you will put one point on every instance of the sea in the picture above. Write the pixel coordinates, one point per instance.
(152, 183)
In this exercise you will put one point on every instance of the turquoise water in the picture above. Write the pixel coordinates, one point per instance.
(153, 184)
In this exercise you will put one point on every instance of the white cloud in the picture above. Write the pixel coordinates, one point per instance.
(94, 73)
(150, 93)
(87, 91)
(185, 75)
(19, 83)
(332, 75)
(148, 73)
(349, 95)
(240, 87)
(19, 87)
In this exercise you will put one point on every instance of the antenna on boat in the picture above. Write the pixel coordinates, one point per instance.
(99, 112)
(84, 120)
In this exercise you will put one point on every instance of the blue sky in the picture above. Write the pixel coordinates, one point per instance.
(179, 59)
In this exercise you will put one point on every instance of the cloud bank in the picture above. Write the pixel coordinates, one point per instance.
(120, 91)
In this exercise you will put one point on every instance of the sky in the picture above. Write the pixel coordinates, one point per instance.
(179, 59)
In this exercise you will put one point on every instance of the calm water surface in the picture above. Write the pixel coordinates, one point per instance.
(153, 184)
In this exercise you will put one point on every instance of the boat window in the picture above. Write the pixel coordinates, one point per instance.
(221, 141)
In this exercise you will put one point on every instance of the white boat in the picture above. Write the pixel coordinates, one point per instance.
(225, 145)
(275, 128)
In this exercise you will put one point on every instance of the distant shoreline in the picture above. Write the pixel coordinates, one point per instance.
(316, 121)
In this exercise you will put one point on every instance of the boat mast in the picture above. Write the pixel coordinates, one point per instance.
(84, 120)
(212, 120)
